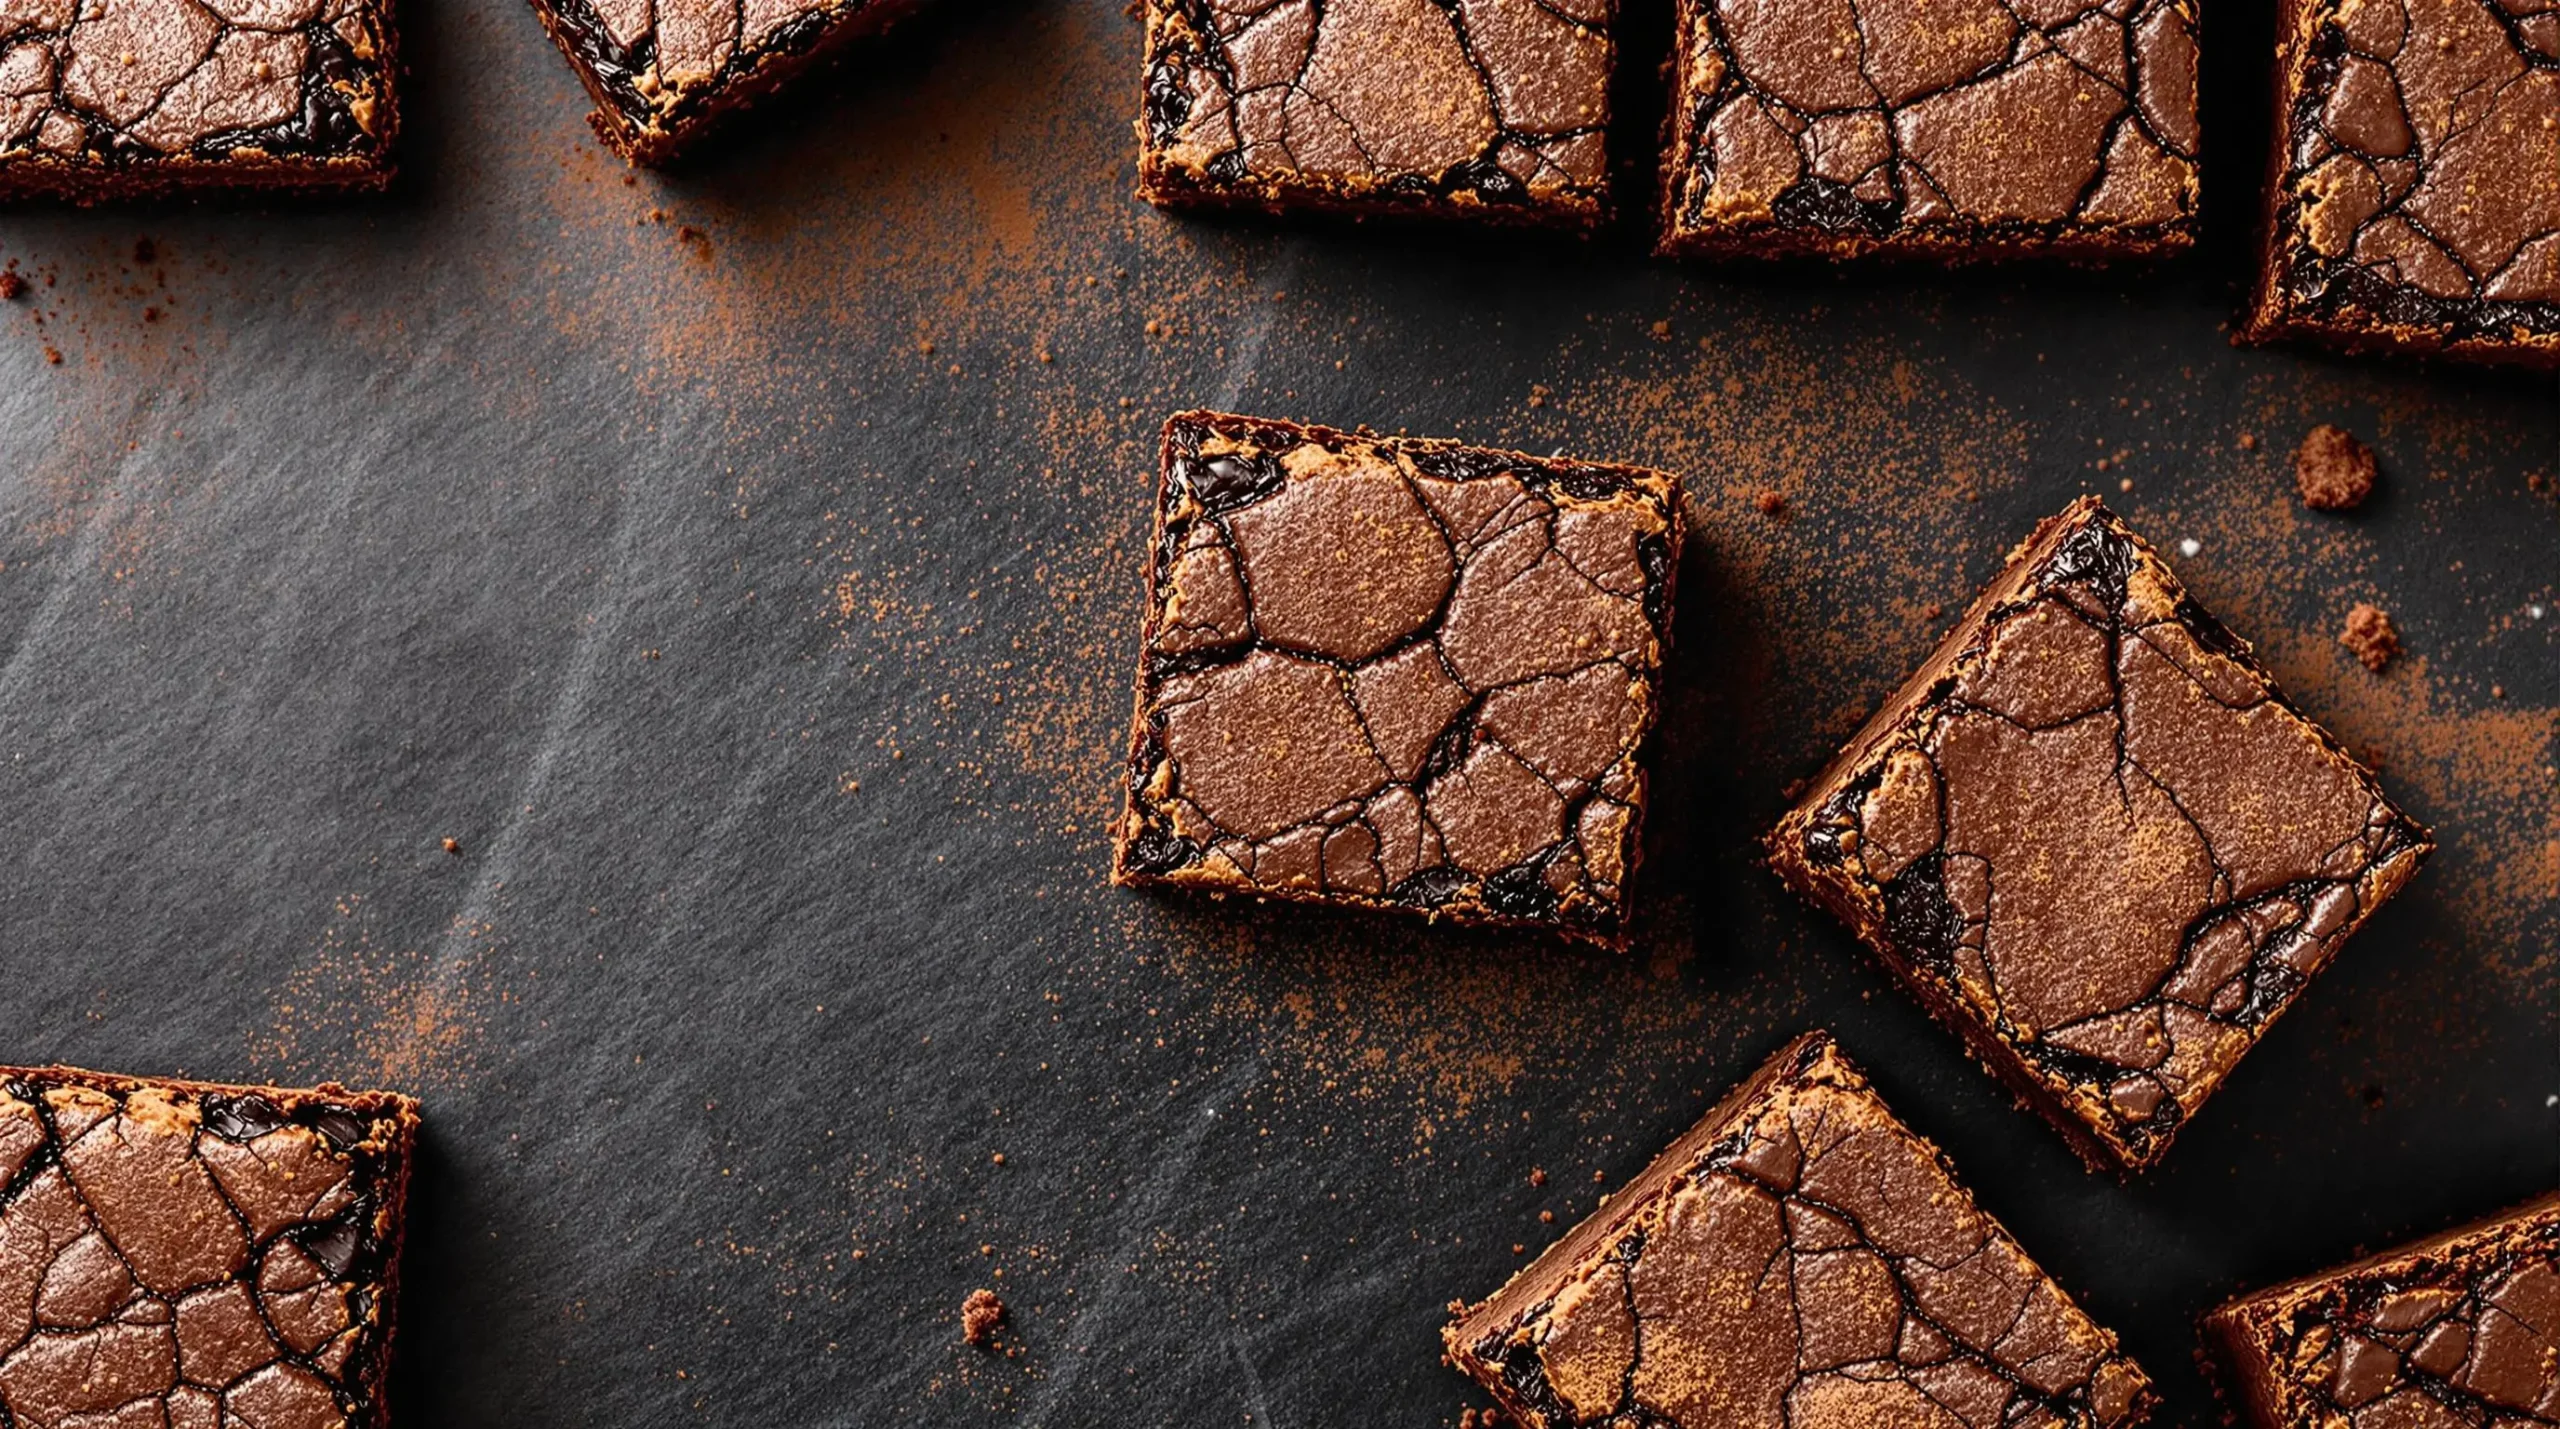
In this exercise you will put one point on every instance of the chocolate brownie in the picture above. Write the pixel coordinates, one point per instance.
(2093, 838)
(189, 1255)
(664, 72)
(1397, 673)
(2415, 203)
(123, 98)
(1799, 1259)
(1944, 129)
(1485, 109)
(2461, 1331)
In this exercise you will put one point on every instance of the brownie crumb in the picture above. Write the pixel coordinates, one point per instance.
(2333, 470)
(2248, 441)
(1771, 503)
(454, 847)
(12, 287)
(1537, 1175)
(2370, 635)
(979, 1316)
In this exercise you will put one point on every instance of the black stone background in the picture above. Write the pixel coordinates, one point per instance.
(771, 675)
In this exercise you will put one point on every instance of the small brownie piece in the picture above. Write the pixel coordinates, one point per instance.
(1798, 1260)
(1951, 130)
(187, 1255)
(2415, 203)
(663, 72)
(130, 98)
(2461, 1331)
(2091, 836)
(1489, 109)
(1397, 673)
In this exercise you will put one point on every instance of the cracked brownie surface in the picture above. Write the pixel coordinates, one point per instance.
(2416, 199)
(186, 1256)
(115, 98)
(1494, 109)
(1397, 673)
(1798, 1260)
(2460, 1331)
(2093, 838)
(662, 72)
(1953, 129)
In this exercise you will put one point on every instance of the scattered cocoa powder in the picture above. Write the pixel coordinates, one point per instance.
(979, 1316)
(2370, 635)
(2333, 470)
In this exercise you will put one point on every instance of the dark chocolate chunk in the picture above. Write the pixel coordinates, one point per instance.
(2416, 198)
(1487, 109)
(1799, 1259)
(191, 1255)
(1945, 129)
(139, 97)
(2462, 1329)
(1397, 673)
(664, 72)
(2174, 849)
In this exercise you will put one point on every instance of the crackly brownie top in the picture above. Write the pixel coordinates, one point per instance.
(1398, 671)
(1964, 118)
(123, 80)
(188, 1258)
(1801, 1261)
(2458, 1333)
(1502, 101)
(2104, 833)
(2422, 183)
(664, 63)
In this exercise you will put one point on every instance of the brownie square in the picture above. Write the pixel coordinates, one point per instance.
(2093, 838)
(1943, 129)
(1486, 109)
(664, 72)
(2416, 196)
(1392, 673)
(191, 1255)
(1799, 1259)
(2459, 1330)
(131, 98)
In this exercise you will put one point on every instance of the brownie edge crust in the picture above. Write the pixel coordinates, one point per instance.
(195, 1254)
(2176, 851)
(1799, 1259)
(1398, 674)
(2461, 1328)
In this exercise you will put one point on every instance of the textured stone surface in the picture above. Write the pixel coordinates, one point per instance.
(119, 97)
(2459, 1330)
(1956, 128)
(180, 1256)
(1799, 1260)
(1398, 673)
(2418, 198)
(2092, 836)
(1495, 108)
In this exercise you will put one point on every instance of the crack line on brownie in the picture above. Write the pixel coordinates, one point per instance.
(2193, 910)
(2378, 225)
(1226, 81)
(1872, 112)
(124, 1274)
(1775, 1158)
(1451, 748)
(132, 83)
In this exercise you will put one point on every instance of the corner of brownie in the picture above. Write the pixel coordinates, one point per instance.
(1800, 1258)
(1397, 673)
(2461, 1328)
(2177, 851)
(1491, 110)
(197, 1253)
(1950, 132)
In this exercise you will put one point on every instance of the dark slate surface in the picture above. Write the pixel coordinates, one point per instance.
(715, 558)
